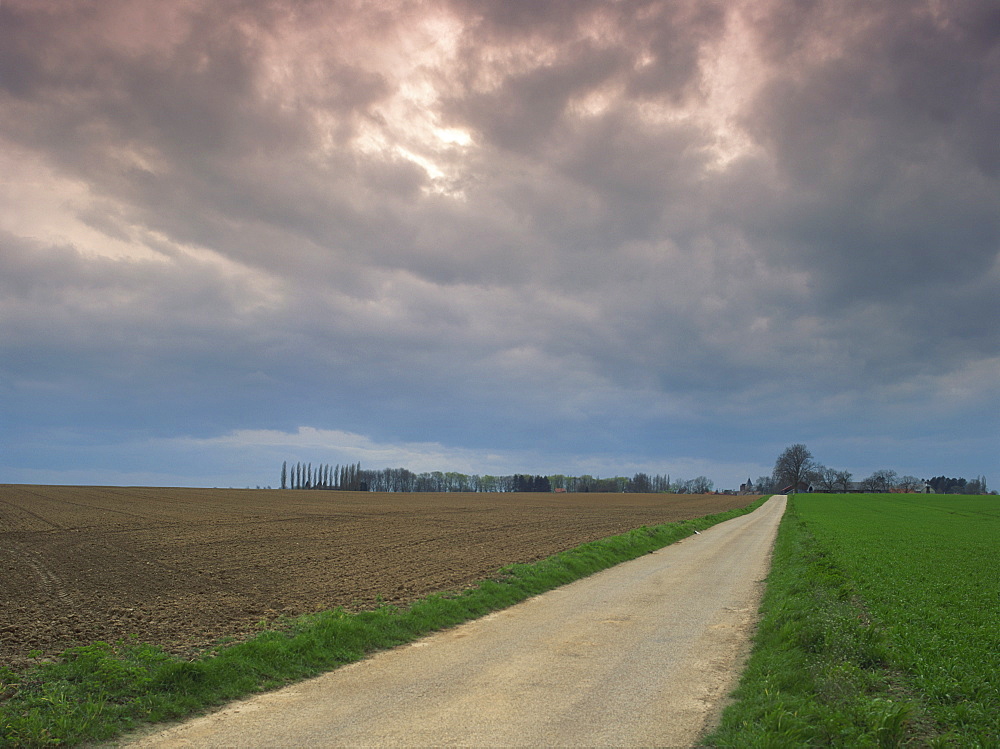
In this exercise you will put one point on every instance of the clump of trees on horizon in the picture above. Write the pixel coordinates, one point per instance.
(353, 477)
(796, 470)
(324, 476)
(944, 485)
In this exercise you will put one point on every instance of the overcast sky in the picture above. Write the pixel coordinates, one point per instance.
(497, 236)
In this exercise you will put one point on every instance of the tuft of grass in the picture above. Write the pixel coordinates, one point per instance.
(879, 627)
(96, 692)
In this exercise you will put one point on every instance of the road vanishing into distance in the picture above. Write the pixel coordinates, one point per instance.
(643, 654)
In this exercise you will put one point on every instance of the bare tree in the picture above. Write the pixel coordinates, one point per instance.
(826, 478)
(700, 485)
(881, 481)
(765, 485)
(844, 480)
(793, 466)
(976, 486)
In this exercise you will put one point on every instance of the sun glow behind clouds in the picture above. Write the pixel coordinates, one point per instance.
(412, 64)
(453, 136)
(371, 81)
(411, 72)
(732, 75)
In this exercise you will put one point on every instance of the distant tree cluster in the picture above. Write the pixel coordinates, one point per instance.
(323, 476)
(532, 483)
(354, 478)
(944, 485)
(831, 479)
(795, 470)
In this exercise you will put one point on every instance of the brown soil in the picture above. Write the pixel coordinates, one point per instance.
(183, 568)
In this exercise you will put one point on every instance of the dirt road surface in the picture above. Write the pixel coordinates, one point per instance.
(643, 654)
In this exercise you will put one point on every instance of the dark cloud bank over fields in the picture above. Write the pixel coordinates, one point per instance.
(579, 237)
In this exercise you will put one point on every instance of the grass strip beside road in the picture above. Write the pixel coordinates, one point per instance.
(879, 627)
(96, 692)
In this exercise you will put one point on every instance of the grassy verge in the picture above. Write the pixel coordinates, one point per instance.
(879, 627)
(96, 692)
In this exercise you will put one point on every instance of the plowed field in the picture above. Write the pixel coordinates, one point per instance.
(185, 567)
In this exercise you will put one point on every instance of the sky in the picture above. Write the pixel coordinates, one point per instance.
(570, 236)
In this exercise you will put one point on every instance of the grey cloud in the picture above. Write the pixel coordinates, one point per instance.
(646, 180)
(219, 151)
(579, 278)
(525, 111)
(873, 200)
(504, 21)
(672, 35)
(114, 319)
(884, 183)
(528, 109)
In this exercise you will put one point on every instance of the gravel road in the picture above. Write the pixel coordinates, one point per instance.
(643, 654)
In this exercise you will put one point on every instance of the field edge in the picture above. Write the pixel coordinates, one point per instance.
(821, 671)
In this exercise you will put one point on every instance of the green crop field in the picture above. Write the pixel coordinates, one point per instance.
(881, 626)
(927, 568)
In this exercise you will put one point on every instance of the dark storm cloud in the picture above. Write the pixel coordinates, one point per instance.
(559, 53)
(883, 148)
(523, 112)
(666, 38)
(551, 226)
(879, 182)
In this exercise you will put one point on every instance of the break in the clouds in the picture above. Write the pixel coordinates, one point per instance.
(590, 237)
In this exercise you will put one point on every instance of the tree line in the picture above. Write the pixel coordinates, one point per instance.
(797, 470)
(944, 485)
(353, 477)
(323, 476)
